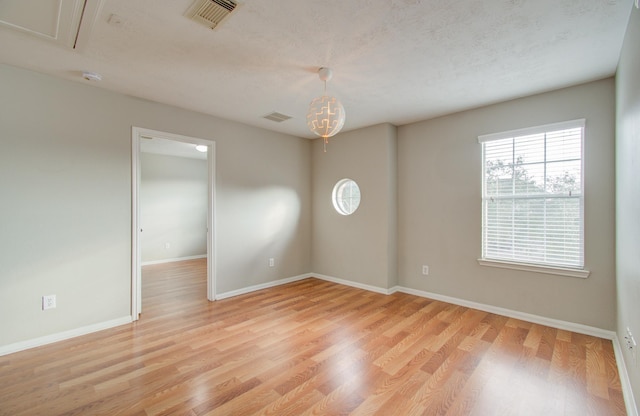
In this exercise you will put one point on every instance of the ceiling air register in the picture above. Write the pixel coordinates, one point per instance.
(211, 12)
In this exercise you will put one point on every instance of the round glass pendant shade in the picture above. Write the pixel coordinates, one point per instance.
(326, 116)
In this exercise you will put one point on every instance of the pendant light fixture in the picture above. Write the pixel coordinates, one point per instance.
(326, 114)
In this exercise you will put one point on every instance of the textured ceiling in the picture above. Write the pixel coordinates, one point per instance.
(394, 61)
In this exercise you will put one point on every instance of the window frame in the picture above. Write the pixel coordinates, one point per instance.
(337, 192)
(540, 267)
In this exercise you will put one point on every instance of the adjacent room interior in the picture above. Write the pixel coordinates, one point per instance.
(357, 271)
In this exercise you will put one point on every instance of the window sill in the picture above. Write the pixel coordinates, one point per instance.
(583, 274)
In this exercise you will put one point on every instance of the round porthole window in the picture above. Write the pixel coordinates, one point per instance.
(346, 196)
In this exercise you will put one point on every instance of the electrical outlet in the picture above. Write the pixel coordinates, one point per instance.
(48, 302)
(272, 262)
(167, 246)
(631, 345)
(425, 270)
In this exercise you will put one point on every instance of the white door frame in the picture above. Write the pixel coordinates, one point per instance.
(137, 134)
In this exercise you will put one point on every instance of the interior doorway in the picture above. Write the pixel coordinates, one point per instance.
(138, 136)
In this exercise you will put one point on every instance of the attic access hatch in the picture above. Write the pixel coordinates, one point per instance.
(211, 12)
(65, 22)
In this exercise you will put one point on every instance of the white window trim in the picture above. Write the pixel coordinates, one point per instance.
(563, 125)
(539, 268)
(560, 271)
(334, 197)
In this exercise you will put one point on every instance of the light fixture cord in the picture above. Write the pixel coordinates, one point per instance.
(325, 138)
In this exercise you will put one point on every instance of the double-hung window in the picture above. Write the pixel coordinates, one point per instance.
(533, 196)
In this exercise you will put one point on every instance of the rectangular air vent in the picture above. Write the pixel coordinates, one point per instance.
(211, 12)
(277, 117)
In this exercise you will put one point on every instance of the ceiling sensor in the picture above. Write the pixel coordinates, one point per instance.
(210, 12)
(91, 76)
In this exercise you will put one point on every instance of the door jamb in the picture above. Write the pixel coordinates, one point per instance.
(137, 134)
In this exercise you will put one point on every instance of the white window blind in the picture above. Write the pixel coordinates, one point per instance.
(532, 199)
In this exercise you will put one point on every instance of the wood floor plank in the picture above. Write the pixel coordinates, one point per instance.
(310, 347)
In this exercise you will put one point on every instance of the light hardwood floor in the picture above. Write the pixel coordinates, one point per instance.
(312, 348)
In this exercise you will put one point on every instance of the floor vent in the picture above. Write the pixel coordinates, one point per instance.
(277, 117)
(211, 12)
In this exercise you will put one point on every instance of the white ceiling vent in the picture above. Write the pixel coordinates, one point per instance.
(277, 117)
(211, 12)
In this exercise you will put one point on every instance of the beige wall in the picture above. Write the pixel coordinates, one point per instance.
(628, 195)
(439, 185)
(433, 170)
(173, 207)
(360, 247)
(65, 211)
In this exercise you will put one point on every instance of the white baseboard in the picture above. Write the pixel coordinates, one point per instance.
(627, 391)
(555, 323)
(536, 319)
(261, 286)
(625, 382)
(344, 282)
(49, 339)
(147, 263)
